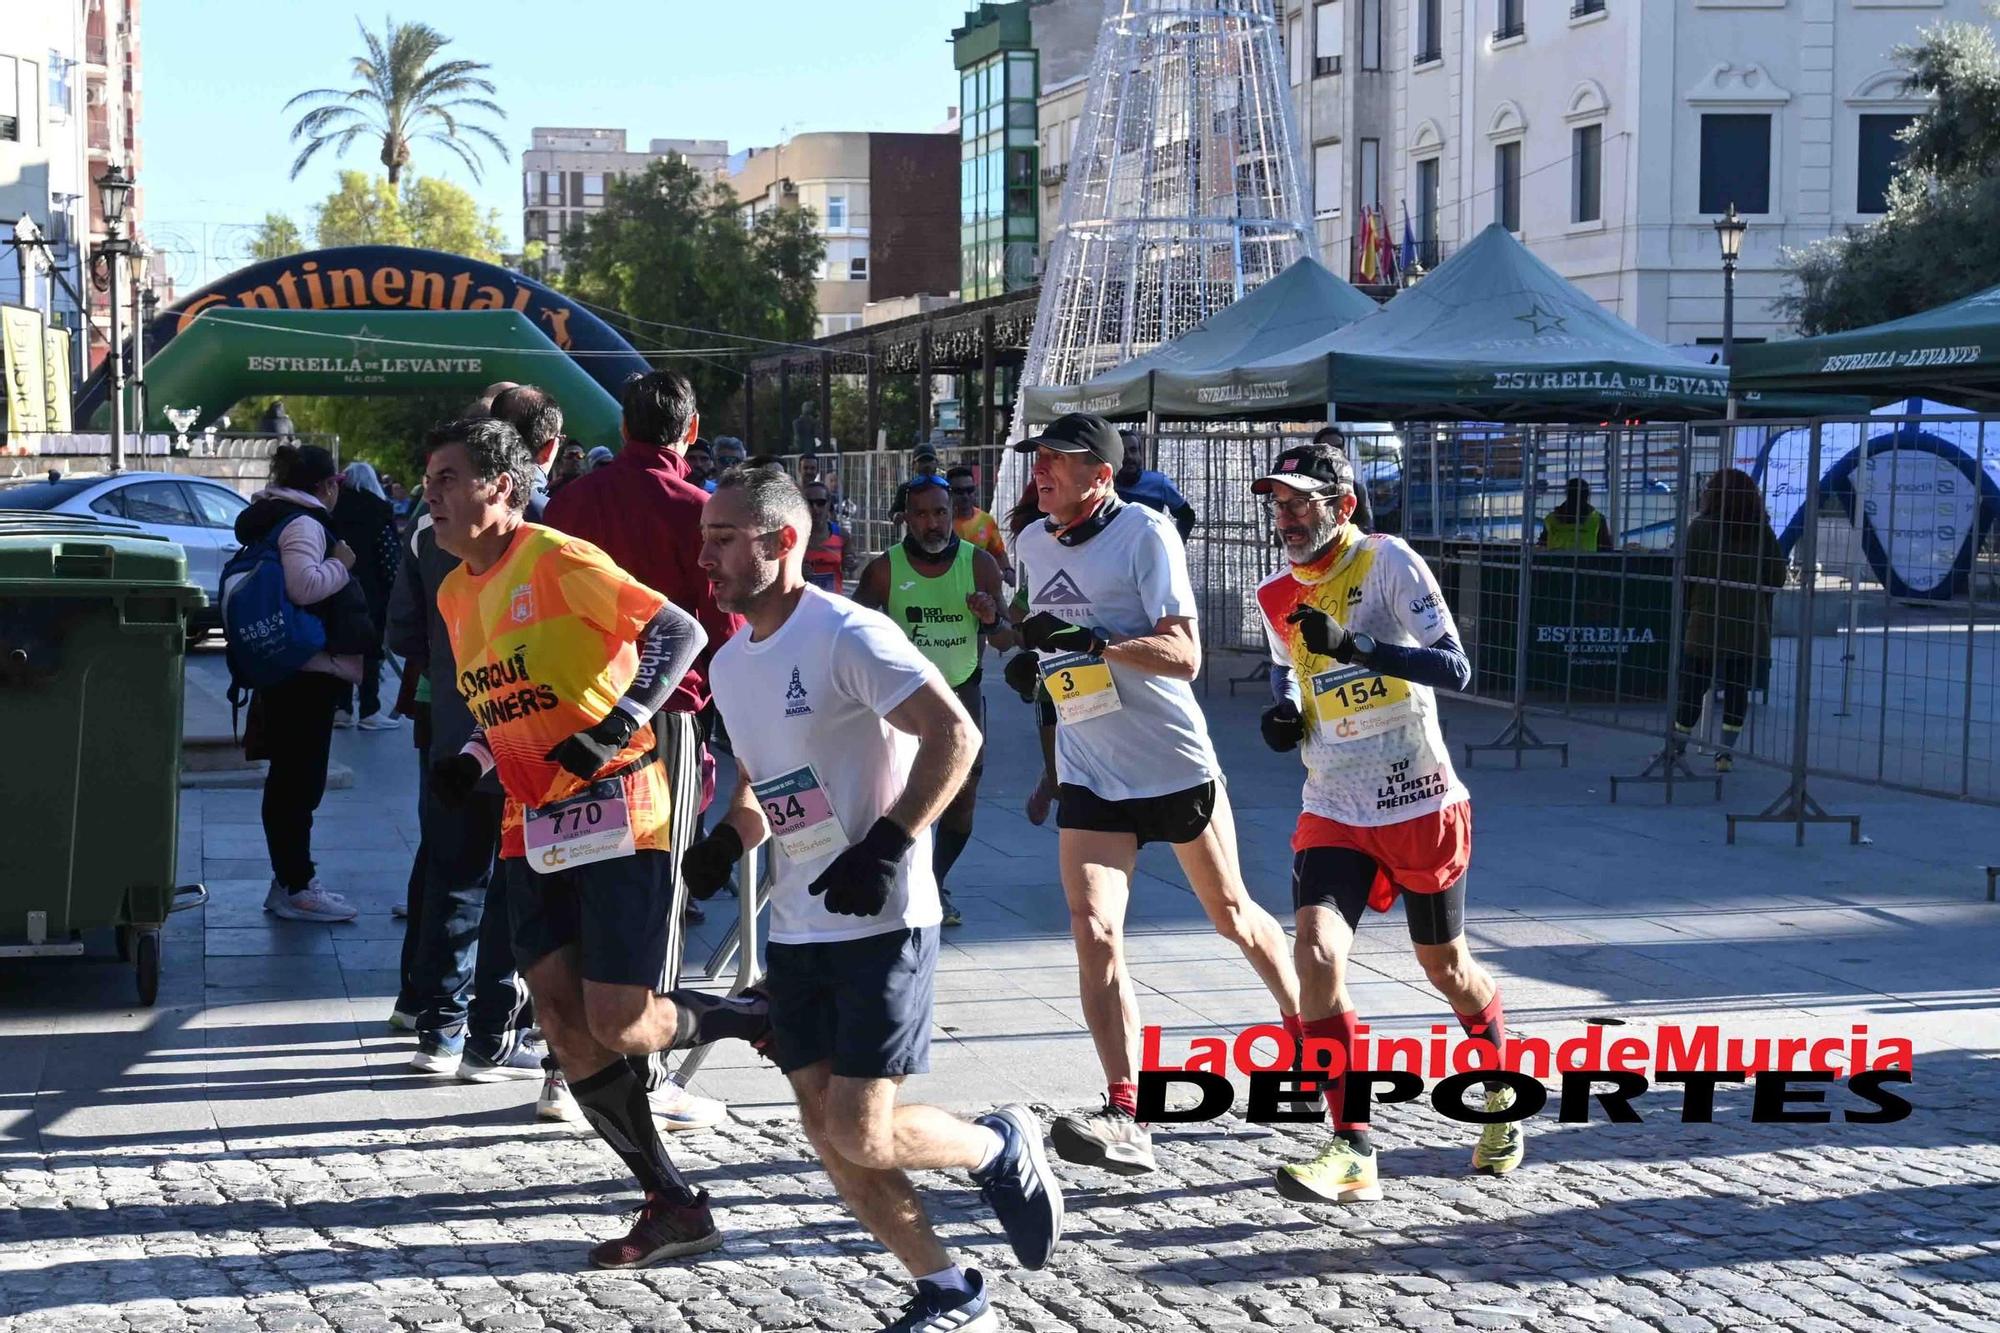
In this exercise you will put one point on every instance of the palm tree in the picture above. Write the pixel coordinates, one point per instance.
(403, 98)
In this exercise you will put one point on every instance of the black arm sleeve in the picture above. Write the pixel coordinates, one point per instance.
(1442, 666)
(667, 648)
(1184, 519)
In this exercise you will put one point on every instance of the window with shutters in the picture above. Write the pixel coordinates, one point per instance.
(1507, 185)
(1878, 154)
(1735, 163)
(1430, 30)
(1328, 35)
(1586, 173)
(1427, 211)
(1326, 179)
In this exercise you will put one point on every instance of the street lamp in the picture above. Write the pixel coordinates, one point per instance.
(1729, 230)
(114, 189)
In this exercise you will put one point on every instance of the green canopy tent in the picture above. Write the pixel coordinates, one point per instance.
(1494, 334)
(1951, 353)
(1194, 375)
(227, 354)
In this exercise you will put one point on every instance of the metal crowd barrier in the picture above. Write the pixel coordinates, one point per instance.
(1876, 657)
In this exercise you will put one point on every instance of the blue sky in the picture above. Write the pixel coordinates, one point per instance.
(217, 72)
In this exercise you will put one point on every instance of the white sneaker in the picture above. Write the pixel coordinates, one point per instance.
(524, 1061)
(382, 721)
(342, 718)
(311, 904)
(557, 1102)
(674, 1107)
(434, 1057)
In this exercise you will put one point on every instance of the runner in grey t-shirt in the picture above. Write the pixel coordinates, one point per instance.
(1112, 616)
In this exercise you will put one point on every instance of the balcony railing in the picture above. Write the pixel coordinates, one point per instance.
(1505, 31)
(1430, 53)
(1583, 7)
(1325, 65)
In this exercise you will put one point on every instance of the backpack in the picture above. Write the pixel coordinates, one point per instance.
(269, 636)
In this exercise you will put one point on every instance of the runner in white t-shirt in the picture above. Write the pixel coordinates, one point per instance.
(1362, 639)
(848, 746)
(1112, 614)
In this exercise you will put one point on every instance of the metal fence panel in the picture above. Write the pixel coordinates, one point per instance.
(1745, 597)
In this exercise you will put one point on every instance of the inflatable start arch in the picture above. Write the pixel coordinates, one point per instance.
(376, 319)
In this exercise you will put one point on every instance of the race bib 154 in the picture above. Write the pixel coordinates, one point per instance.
(1352, 702)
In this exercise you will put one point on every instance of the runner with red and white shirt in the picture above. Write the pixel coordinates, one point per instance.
(1362, 639)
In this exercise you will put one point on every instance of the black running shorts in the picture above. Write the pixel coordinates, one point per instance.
(862, 1005)
(1178, 817)
(1342, 878)
(618, 912)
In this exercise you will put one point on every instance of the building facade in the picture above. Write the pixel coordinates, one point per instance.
(1608, 134)
(887, 207)
(70, 108)
(1021, 67)
(565, 172)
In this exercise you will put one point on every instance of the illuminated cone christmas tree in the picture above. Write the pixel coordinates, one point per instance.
(1184, 188)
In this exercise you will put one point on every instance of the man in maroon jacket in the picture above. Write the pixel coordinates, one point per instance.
(642, 511)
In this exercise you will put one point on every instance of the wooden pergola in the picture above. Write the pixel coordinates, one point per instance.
(975, 337)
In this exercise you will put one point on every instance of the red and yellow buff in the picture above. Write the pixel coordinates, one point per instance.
(1332, 583)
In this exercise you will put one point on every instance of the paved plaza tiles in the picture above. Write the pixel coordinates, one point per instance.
(252, 1154)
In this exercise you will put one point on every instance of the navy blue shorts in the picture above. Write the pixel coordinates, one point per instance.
(863, 1005)
(619, 913)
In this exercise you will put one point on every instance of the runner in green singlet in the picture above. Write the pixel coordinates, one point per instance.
(945, 594)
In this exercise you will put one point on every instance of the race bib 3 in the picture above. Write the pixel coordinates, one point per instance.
(1081, 686)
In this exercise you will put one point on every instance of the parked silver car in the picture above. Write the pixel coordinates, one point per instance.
(197, 514)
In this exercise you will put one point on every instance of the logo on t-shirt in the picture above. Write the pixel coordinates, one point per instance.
(1061, 591)
(1353, 595)
(795, 697)
(522, 607)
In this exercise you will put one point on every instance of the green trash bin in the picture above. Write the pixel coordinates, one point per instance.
(93, 642)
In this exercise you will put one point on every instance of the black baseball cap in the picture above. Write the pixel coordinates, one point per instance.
(1079, 433)
(1309, 467)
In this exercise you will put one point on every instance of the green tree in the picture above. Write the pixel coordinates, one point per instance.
(363, 210)
(1936, 242)
(403, 95)
(277, 236)
(427, 212)
(670, 251)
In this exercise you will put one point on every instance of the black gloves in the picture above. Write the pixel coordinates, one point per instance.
(705, 866)
(1282, 726)
(1322, 633)
(587, 752)
(860, 878)
(453, 779)
(1053, 634)
(1023, 675)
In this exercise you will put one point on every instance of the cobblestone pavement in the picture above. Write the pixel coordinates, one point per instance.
(1653, 1226)
(253, 1154)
